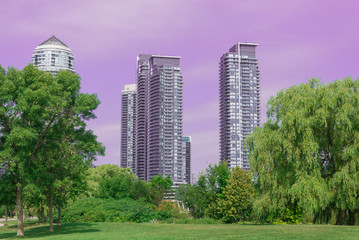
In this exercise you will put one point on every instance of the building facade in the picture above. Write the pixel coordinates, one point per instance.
(53, 56)
(239, 102)
(159, 117)
(128, 126)
(141, 115)
(186, 154)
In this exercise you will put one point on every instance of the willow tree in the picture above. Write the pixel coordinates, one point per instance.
(33, 104)
(307, 153)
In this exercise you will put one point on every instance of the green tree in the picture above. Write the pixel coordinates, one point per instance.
(7, 193)
(35, 199)
(100, 177)
(116, 187)
(181, 191)
(195, 200)
(33, 107)
(307, 153)
(160, 186)
(209, 186)
(236, 201)
(215, 180)
(140, 190)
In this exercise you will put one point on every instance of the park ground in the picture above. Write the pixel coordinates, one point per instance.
(158, 231)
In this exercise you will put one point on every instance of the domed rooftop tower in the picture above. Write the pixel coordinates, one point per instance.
(53, 56)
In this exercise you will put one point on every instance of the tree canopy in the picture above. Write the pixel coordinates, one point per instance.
(307, 153)
(43, 128)
(236, 201)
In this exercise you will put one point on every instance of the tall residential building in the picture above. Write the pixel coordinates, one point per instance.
(141, 114)
(159, 117)
(53, 56)
(186, 154)
(128, 126)
(239, 102)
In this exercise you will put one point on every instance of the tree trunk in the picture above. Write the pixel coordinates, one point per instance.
(340, 217)
(20, 214)
(6, 215)
(59, 217)
(51, 214)
(42, 214)
(352, 217)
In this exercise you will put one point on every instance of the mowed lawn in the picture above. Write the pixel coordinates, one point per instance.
(183, 231)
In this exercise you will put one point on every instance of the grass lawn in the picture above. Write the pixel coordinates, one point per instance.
(181, 231)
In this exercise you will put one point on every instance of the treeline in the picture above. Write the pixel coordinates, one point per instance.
(106, 193)
(115, 194)
(304, 160)
(304, 163)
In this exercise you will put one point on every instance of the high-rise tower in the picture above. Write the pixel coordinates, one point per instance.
(141, 115)
(53, 56)
(239, 102)
(128, 126)
(186, 154)
(159, 117)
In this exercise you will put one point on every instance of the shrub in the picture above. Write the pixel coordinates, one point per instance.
(123, 210)
(111, 210)
(168, 210)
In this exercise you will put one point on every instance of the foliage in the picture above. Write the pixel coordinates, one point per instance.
(307, 153)
(214, 180)
(43, 124)
(167, 209)
(181, 191)
(115, 187)
(112, 210)
(206, 190)
(236, 201)
(106, 171)
(195, 200)
(140, 190)
(159, 187)
(7, 189)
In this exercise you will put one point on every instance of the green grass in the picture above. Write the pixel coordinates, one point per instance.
(182, 231)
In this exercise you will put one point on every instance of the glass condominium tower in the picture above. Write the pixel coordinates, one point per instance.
(239, 102)
(159, 118)
(186, 154)
(53, 56)
(128, 126)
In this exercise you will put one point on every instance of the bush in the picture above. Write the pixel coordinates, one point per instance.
(123, 210)
(235, 203)
(110, 210)
(168, 210)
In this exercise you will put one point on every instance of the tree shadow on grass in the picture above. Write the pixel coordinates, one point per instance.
(43, 231)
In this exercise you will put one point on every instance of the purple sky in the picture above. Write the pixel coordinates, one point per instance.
(297, 40)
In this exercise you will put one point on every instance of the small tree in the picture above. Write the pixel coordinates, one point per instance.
(209, 186)
(236, 201)
(160, 186)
